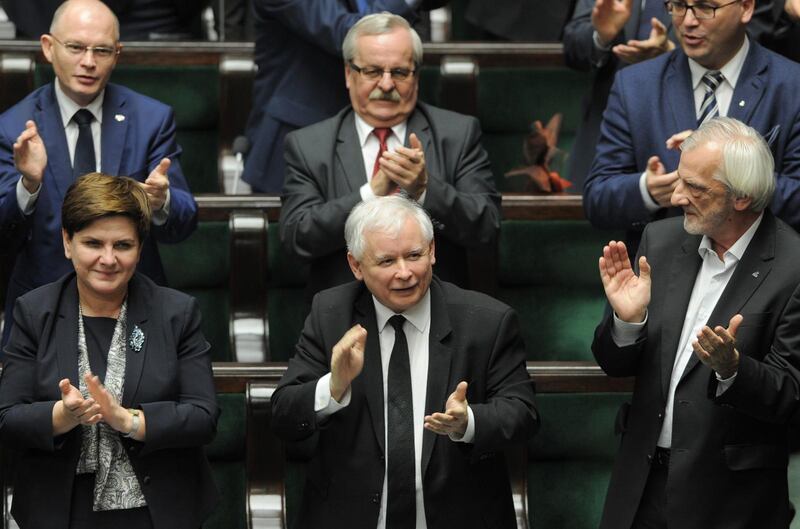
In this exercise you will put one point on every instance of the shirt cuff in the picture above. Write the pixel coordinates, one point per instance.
(324, 404)
(421, 199)
(25, 200)
(159, 217)
(724, 383)
(651, 205)
(366, 192)
(625, 333)
(597, 44)
(469, 434)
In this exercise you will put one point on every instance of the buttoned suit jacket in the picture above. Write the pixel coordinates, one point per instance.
(729, 453)
(169, 378)
(326, 171)
(473, 338)
(300, 78)
(653, 100)
(137, 132)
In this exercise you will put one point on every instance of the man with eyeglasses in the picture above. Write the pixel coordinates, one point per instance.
(298, 51)
(386, 142)
(81, 124)
(718, 71)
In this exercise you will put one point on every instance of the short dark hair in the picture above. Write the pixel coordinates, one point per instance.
(96, 195)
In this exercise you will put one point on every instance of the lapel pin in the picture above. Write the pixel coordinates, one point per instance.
(741, 103)
(119, 117)
(755, 274)
(137, 339)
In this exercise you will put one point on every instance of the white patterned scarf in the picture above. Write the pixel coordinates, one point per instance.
(102, 453)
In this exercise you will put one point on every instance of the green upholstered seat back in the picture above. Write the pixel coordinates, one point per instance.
(286, 298)
(510, 99)
(193, 93)
(570, 459)
(200, 266)
(228, 463)
(548, 273)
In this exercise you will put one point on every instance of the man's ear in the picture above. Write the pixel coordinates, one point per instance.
(355, 266)
(47, 47)
(433, 252)
(347, 76)
(742, 203)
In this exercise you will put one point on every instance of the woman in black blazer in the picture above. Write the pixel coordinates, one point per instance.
(107, 389)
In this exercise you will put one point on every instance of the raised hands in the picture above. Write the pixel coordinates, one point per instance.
(717, 348)
(347, 360)
(157, 185)
(609, 17)
(628, 294)
(30, 157)
(455, 417)
(640, 50)
(73, 409)
(660, 183)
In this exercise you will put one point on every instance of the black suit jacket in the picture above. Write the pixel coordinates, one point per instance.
(170, 379)
(326, 170)
(729, 452)
(473, 338)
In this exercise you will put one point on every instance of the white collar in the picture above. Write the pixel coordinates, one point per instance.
(364, 129)
(731, 70)
(739, 247)
(68, 107)
(419, 315)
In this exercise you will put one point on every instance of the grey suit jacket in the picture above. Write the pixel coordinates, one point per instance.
(473, 338)
(729, 452)
(326, 170)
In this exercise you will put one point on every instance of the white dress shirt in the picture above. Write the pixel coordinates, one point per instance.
(724, 95)
(417, 331)
(709, 285)
(68, 108)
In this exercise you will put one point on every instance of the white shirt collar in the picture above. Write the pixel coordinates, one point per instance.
(68, 107)
(739, 247)
(364, 129)
(731, 70)
(419, 315)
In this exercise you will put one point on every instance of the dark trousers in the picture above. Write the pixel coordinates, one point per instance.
(652, 508)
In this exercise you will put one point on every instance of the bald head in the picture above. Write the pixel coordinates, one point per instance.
(91, 12)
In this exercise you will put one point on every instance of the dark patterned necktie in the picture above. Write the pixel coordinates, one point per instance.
(84, 160)
(401, 488)
(709, 107)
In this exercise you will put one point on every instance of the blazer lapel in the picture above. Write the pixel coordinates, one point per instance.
(750, 273)
(372, 373)
(750, 87)
(348, 152)
(47, 117)
(138, 311)
(439, 357)
(419, 125)
(66, 333)
(682, 274)
(677, 88)
(114, 131)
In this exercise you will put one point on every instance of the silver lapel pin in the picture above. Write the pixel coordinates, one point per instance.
(137, 339)
(755, 274)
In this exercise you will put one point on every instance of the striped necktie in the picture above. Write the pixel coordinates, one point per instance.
(709, 107)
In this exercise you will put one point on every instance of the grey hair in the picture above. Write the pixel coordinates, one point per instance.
(385, 215)
(66, 5)
(380, 24)
(747, 167)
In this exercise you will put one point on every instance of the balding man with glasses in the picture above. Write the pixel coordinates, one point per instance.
(80, 124)
(718, 70)
(386, 142)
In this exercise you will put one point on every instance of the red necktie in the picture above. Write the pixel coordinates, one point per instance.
(382, 134)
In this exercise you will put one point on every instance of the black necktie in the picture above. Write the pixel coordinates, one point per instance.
(84, 160)
(401, 489)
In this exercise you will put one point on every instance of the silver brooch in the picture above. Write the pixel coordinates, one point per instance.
(137, 339)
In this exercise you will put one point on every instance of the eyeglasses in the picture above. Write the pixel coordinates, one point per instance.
(99, 52)
(701, 11)
(371, 73)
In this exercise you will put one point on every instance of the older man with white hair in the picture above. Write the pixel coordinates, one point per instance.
(710, 328)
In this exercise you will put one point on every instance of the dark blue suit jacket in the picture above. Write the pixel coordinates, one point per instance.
(137, 133)
(169, 378)
(653, 100)
(300, 77)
